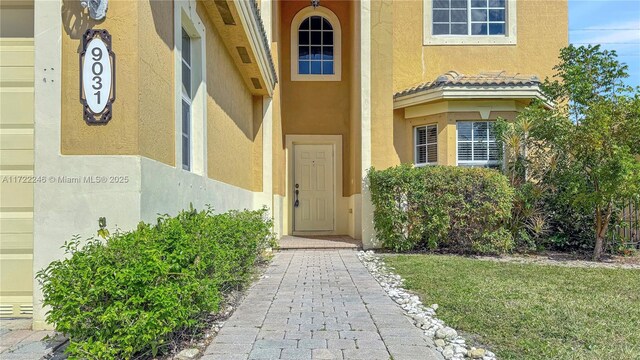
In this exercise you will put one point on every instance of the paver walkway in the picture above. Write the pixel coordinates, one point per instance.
(19, 342)
(319, 304)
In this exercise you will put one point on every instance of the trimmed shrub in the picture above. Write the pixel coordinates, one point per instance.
(441, 208)
(129, 296)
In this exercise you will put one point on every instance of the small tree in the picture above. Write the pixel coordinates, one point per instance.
(525, 163)
(592, 134)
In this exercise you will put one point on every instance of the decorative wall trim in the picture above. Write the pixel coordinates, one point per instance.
(485, 107)
(252, 24)
(470, 92)
(337, 44)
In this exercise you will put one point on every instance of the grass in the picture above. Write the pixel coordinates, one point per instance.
(529, 311)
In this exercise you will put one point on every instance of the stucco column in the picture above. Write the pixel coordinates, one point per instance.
(267, 119)
(368, 233)
(377, 102)
(67, 203)
(47, 39)
(267, 152)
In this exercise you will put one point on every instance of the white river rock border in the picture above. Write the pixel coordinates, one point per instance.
(446, 339)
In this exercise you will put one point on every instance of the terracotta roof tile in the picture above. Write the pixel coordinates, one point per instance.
(453, 78)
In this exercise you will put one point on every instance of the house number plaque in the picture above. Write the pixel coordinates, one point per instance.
(97, 76)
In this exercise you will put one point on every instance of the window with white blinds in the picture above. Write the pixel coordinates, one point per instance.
(426, 145)
(477, 144)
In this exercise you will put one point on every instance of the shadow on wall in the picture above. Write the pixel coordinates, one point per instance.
(162, 13)
(76, 21)
(228, 92)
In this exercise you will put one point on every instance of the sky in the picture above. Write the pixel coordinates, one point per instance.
(613, 23)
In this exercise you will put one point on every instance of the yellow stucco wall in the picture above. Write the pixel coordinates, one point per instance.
(156, 122)
(317, 107)
(143, 114)
(383, 153)
(256, 162)
(355, 131)
(542, 30)
(230, 110)
(278, 169)
(278, 144)
(144, 110)
(120, 135)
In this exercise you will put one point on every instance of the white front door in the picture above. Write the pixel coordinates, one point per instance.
(313, 188)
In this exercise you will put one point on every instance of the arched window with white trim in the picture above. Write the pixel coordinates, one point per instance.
(315, 45)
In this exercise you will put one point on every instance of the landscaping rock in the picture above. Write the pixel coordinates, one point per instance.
(448, 352)
(477, 353)
(446, 339)
(188, 354)
(446, 333)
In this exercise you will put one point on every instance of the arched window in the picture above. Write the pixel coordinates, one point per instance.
(315, 45)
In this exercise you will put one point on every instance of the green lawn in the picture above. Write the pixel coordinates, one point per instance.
(528, 311)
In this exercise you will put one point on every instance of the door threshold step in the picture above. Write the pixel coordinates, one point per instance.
(318, 242)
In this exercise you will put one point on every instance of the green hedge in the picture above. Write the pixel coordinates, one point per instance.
(129, 296)
(441, 208)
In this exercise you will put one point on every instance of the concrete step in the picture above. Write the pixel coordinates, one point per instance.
(318, 242)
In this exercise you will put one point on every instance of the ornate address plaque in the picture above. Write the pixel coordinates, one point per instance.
(97, 76)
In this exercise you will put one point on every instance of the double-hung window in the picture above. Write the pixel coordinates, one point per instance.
(187, 99)
(426, 145)
(469, 17)
(472, 22)
(476, 145)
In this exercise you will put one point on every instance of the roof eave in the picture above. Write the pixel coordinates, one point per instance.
(250, 18)
(470, 92)
(240, 27)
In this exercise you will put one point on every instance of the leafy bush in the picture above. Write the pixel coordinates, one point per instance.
(571, 227)
(441, 207)
(129, 295)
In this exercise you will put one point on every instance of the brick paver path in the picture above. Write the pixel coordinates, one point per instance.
(19, 342)
(319, 304)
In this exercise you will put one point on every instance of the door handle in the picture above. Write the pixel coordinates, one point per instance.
(296, 203)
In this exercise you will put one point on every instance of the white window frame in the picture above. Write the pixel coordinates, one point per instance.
(337, 44)
(187, 134)
(475, 163)
(426, 145)
(509, 38)
(186, 98)
(185, 16)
